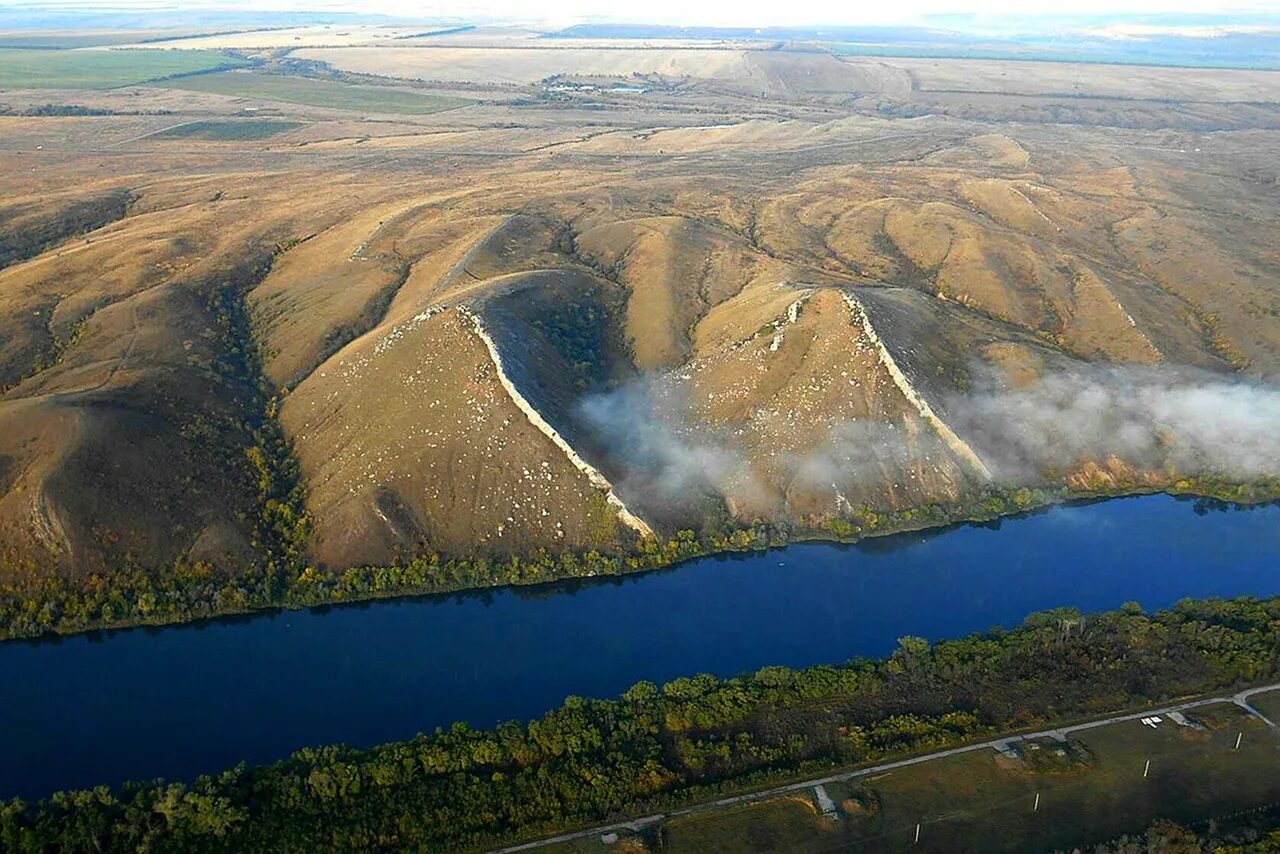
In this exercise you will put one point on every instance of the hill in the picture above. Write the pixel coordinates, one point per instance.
(618, 296)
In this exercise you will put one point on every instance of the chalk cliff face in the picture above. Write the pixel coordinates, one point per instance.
(500, 359)
(806, 356)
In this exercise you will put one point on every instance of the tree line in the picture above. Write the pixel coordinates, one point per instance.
(36, 600)
(657, 747)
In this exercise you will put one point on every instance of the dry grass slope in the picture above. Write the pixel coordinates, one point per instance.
(807, 281)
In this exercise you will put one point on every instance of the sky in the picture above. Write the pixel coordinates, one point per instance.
(699, 12)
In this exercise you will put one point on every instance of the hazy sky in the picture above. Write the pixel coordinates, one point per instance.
(706, 12)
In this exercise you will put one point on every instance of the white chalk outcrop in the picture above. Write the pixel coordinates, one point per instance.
(793, 314)
(593, 474)
(959, 446)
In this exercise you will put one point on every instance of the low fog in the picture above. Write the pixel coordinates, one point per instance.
(1187, 421)
(1151, 417)
(667, 455)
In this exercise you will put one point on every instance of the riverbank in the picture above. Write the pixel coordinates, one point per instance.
(660, 748)
(187, 700)
(135, 597)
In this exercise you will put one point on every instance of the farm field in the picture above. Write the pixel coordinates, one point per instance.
(518, 65)
(1046, 79)
(61, 40)
(102, 69)
(311, 35)
(320, 93)
(1262, 60)
(223, 131)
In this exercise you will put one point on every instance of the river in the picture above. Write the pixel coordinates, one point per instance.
(175, 702)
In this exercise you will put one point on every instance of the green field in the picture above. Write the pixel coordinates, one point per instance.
(981, 802)
(319, 93)
(102, 69)
(227, 131)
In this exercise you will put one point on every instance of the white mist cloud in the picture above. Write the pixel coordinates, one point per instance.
(667, 455)
(1191, 421)
(1160, 419)
(864, 453)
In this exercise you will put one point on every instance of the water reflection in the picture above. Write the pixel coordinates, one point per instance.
(110, 706)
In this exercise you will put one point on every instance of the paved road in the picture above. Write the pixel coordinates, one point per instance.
(1241, 699)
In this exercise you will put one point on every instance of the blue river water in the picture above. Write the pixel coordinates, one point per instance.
(176, 702)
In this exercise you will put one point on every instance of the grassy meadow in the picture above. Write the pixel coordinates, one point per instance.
(1268, 703)
(982, 801)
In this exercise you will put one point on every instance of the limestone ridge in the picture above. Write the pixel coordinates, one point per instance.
(960, 447)
(793, 314)
(593, 474)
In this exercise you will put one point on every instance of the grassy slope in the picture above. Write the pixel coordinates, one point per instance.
(102, 69)
(319, 93)
(814, 228)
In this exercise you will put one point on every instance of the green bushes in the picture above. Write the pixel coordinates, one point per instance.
(657, 747)
(43, 602)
